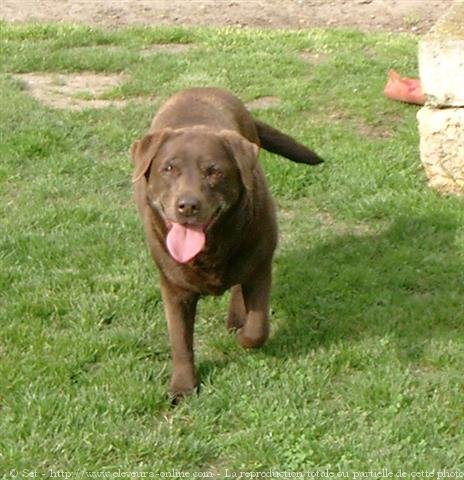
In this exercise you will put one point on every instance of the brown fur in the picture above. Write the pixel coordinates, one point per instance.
(202, 147)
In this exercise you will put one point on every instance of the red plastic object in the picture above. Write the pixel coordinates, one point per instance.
(403, 89)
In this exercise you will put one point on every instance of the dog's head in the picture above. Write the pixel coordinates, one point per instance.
(194, 175)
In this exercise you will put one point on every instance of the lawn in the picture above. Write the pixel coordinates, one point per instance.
(364, 367)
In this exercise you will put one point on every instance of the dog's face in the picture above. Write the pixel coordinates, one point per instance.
(193, 177)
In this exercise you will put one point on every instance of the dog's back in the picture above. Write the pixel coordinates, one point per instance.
(210, 107)
(220, 110)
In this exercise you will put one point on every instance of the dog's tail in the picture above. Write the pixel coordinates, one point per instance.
(277, 142)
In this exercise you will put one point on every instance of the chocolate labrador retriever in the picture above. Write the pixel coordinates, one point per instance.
(209, 217)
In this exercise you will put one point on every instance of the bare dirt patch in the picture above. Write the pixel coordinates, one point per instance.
(378, 131)
(71, 91)
(326, 224)
(83, 90)
(100, 48)
(174, 48)
(312, 58)
(382, 15)
(261, 103)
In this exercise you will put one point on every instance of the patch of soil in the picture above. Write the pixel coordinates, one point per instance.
(101, 48)
(386, 15)
(71, 91)
(312, 58)
(261, 103)
(378, 131)
(174, 48)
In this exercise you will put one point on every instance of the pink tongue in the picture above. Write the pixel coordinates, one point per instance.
(185, 241)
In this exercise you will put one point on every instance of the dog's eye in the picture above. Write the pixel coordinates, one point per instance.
(168, 168)
(212, 172)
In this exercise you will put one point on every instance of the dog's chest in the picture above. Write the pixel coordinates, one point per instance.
(209, 277)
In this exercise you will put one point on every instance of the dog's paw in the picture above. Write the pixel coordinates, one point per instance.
(248, 339)
(182, 385)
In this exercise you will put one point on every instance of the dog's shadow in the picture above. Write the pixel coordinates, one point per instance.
(405, 283)
(402, 283)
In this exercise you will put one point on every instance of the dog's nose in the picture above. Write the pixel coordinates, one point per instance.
(188, 206)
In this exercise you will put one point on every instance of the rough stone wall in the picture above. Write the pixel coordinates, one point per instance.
(441, 121)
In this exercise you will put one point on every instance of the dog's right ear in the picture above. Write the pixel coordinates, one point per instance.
(143, 152)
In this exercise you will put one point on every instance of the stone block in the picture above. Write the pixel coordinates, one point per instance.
(441, 59)
(442, 147)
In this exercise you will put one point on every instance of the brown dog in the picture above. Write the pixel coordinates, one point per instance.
(208, 215)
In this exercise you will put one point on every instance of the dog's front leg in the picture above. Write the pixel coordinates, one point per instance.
(180, 308)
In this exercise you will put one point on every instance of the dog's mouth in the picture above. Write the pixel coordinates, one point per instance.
(185, 241)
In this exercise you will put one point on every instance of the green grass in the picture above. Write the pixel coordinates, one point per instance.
(364, 366)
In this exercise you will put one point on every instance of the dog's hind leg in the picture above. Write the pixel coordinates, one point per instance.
(256, 295)
(236, 317)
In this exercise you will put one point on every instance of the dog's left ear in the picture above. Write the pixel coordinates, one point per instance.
(245, 154)
(143, 152)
